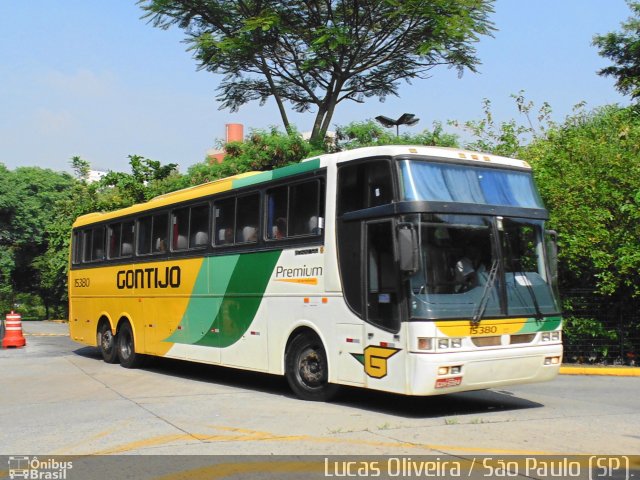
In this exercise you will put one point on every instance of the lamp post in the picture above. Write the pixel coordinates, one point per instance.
(408, 119)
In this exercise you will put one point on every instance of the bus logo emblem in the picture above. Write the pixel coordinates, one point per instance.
(375, 359)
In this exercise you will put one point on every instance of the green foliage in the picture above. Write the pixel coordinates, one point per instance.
(506, 138)
(148, 178)
(591, 334)
(370, 133)
(588, 172)
(623, 49)
(262, 150)
(315, 55)
(26, 215)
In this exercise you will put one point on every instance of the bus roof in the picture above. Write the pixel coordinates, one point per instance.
(251, 178)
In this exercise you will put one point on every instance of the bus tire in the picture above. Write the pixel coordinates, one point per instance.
(127, 348)
(307, 369)
(107, 343)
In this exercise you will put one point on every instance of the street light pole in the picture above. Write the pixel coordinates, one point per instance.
(408, 119)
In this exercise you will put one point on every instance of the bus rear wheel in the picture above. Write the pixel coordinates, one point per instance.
(127, 349)
(107, 343)
(307, 370)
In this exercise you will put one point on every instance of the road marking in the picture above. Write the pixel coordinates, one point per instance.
(244, 435)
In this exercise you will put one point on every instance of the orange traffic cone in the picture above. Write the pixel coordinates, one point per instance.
(13, 331)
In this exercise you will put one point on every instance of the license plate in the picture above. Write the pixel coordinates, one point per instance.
(448, 382)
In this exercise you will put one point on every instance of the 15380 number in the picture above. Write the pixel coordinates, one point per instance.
(483, 330)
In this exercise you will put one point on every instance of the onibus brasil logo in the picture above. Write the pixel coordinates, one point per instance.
(33, 468)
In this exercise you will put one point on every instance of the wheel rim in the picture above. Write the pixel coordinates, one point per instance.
(125, 345)
(106, 340)
(310, 369)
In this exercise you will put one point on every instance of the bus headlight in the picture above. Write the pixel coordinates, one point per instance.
(551, 336)
(428, 343)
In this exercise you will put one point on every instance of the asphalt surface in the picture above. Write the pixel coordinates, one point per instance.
(59, 398)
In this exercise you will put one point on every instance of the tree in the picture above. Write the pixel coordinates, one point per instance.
(623, 48)
(261, 150)
(319, 53)
(369, 133)
(588, 173)
(148, 178)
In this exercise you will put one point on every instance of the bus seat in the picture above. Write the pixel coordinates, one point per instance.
(181, 242)
(201, 238)
(314, 227)
(127, 249)
(249, 234)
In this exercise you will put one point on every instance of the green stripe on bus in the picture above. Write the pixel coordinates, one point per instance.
(547, 324)
(242, 298)
(207, 296)
(277, 173)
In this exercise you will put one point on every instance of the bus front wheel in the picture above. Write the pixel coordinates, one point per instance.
(127, 349)
(107, 343)
(307, 370)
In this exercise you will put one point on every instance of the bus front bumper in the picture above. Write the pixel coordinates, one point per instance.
(479, 370)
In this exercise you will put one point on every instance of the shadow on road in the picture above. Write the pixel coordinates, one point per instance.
(482, 401)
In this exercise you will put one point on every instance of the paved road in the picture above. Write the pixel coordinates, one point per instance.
(59, 398)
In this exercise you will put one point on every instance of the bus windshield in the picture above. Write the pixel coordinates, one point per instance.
(443, 182)
(457, 254)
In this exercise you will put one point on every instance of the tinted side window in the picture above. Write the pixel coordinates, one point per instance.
(126, 248)
(114, 235)
(294, 210)
(144, 235)
(93, 244)
(180, 229)
(305, 214)
(76, 256)
(199, 226)
(364, 185)
(224, 221)
(248, 218)
(159, 233)
(277, 212)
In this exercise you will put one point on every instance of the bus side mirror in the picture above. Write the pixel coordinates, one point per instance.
(408, 248)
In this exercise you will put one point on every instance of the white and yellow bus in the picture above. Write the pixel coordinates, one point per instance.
(414, 270)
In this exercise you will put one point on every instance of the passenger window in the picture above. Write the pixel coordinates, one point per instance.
(224, 221)
(77, 247)
(159, 235)
(144, 235)
(305, 216)
(126, 249)
(96, 238)
(114, 233)
(180, 231)
(294, 211)
(199, 226)
(248, 218)
(364, 185)
(277, 211)
(87, 237)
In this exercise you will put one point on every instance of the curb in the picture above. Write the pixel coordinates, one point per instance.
(595, 370)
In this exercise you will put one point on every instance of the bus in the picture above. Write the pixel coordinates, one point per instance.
(413, 270)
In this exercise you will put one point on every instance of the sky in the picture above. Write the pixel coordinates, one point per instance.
(91, 78)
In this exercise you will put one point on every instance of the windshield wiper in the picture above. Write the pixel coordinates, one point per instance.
(484, 300)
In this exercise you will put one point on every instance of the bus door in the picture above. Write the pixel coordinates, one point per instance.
(384, 345)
